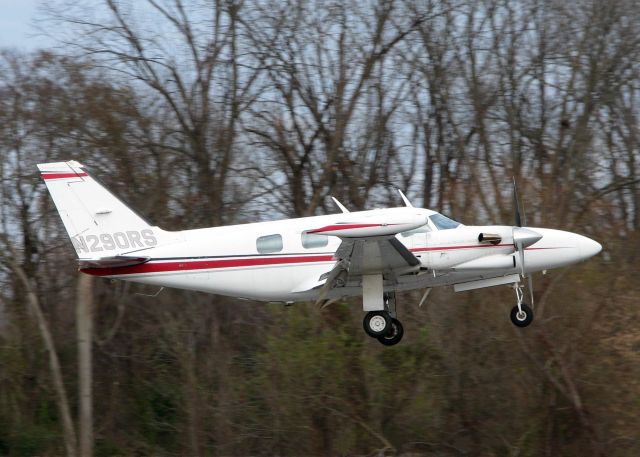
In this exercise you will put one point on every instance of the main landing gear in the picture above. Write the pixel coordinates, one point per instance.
(382, 326)
(394, 335)
(521, 314)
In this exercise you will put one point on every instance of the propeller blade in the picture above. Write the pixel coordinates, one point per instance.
(520, 248)
(522, 238)
(516, 204)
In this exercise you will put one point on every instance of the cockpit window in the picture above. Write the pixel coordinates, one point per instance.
(443, 222)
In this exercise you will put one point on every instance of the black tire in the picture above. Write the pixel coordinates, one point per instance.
(394, 335)
(373, 323)
(519, 321)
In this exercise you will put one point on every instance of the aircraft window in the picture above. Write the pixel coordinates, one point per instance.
(269, 243)
(424, 229)
(311, 240)
(443, 222)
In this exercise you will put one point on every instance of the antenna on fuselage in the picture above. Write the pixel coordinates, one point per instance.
(404, 198)
(340, 205)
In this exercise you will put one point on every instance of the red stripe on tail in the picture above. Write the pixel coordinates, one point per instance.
(48, 176)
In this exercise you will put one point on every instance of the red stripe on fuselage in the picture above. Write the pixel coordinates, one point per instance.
(187, 265)
(47, 176)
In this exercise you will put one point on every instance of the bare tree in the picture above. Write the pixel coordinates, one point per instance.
(327, 127)
(185, 62)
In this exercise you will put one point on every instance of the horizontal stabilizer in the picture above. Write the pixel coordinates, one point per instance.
(111, 262)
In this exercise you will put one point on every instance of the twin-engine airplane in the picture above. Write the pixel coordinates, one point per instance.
(323, 258)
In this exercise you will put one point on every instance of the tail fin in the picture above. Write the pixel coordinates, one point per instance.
(98, 223)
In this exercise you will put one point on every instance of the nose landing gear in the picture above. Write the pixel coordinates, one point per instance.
(521, 317)
(521, 314)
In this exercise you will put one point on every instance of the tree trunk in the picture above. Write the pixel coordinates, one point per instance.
(62, 402)
(84, 326)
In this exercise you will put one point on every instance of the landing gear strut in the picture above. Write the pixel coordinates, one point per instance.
(521, 314)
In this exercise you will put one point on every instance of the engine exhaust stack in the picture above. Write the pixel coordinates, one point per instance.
(489, 238)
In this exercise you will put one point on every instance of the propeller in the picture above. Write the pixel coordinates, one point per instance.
(516, 204)
(522, 238)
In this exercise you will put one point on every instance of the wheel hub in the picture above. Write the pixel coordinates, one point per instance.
(377, 323)
(521, 315)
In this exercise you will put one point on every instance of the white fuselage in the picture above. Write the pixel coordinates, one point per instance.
(267, 260)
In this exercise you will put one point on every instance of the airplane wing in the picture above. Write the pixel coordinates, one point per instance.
(369, 247)
(385, 255)
(359, 256)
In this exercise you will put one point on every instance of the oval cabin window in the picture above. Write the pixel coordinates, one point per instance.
(269, 243)
(311, 240)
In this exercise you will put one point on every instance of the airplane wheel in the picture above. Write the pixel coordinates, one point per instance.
(376, 323)
(521, 319)
(394, 335)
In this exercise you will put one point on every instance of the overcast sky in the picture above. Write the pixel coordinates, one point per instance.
(16, 29)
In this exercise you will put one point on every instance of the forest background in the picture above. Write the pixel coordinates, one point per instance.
(204, 113)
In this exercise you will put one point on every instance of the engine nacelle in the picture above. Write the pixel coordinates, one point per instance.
(492, 262)
(461, 247)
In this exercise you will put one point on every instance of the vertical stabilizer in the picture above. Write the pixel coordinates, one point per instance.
(98, 223)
